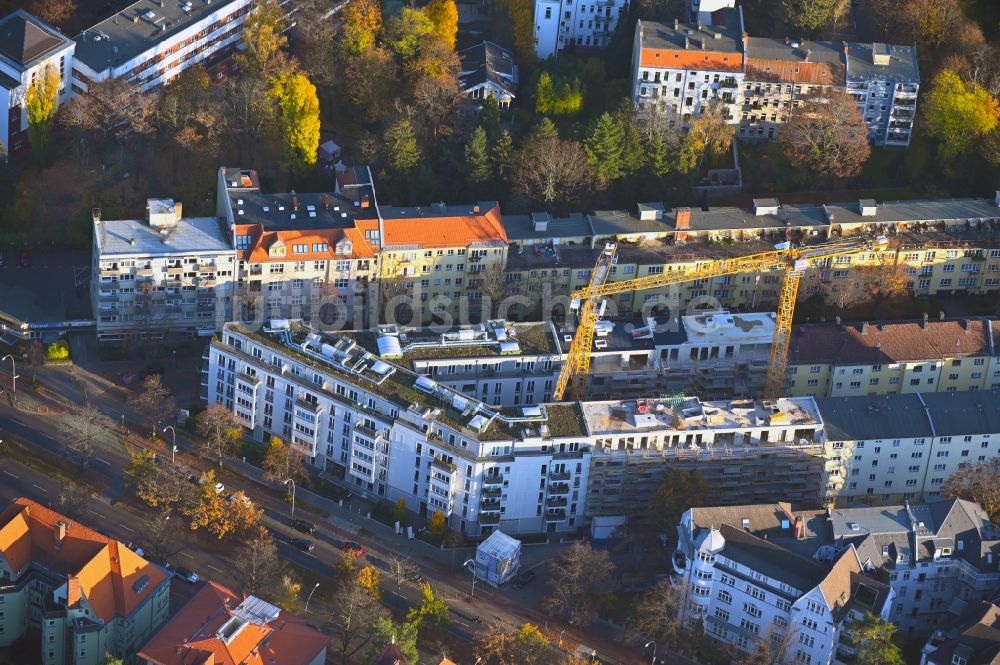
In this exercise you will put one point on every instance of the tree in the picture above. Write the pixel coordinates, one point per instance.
(580, 575)
(247, 110)
(289, 597)
(709, 134)
(361, 23)
(371, 80)
(503, 645)
(220, 517)
(438, 527)
(666, 149)
(400, 144)
(40, 103)
(557, 97)
(354, 612)
(154, 401)
(283, 461)
(502, 155)
(83, 428)
(369, 578)
(444, 15)
(112, 660)
(678, 491)
(55, 12)
(403, 635)
(874, 282)
(263, 35)
(979, 483)
(161, 535)
(220, 430)
(604, 149)
(478, 167)
(437, 98)
(157, 485)
(773, 648)
(400, 513)
(258, 567)
(933, 21)
(299, 119)
(656, 616)
(409, 32)
(72, 500)
(874, 641)
(958, 113)
(810, 14)
(57, 351)
(521, 14)
(827, 134)
(401, 569)
(554, 172)
(432, 614)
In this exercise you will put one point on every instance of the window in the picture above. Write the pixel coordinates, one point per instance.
(725, 596)
(721, 614)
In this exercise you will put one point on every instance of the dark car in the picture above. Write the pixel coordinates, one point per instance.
(186, 575)
(352, 547)
(302, 544)
(304, 526)
(523, 580)
(24, 258)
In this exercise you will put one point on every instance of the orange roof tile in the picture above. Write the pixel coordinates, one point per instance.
(680, 59)
(191, 636)
(261, 242)
(444, 231)
(103, 570)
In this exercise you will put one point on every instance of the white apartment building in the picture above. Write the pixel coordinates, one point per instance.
(562, 23)
(152, 41)
(749, 576)
(885, 80)
(395, 434)
(903, 447)
(27, 46)
(678, 68)
(165, 275)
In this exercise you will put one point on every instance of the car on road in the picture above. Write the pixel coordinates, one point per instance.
(304, 526)
(24, 258)
(523, 579)
(240, 496)
(219, 487)
(352, 547)
(302, 544)
(186, 575)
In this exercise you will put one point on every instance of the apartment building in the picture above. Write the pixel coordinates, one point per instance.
(28, 46)
(220, 626)
(879, 357)
(972, 639)
(751, 577)
(563, 23)
(499, 362)
(395, 434)
(82, 595)
(900, 447)
(164, 275)
(150, 42)
(300, 255)
(885, 80)
(679, 68)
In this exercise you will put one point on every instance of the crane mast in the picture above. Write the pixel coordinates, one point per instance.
(792, 260)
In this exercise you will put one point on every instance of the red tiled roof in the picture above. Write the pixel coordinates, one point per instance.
(902, 341)
(444, 231)
(191, 636)
(700, 60)
(261, 241)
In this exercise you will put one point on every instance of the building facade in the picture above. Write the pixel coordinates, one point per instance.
(28, 46)
(562, 23)
(885, 80)
(165, 275)
(82, 594)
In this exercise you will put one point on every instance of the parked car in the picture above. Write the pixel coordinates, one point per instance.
(524, 579)
(243, 497)
(352, 547)
(24, 258)
(304, 526)
(186, 575)
(302, 544)
(219, 487)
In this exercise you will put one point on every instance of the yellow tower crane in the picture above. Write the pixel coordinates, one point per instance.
(785, 256)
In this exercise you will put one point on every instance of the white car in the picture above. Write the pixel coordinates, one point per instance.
(242, 497)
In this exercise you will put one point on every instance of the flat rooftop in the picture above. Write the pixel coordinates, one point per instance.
(715, 328)
(289, 210)
(139, 28)
(630, 335)
(521, 228)
(799, 61)
(494, 338)
(691, 415)
(673, 36)
(902, 62)
(133, 237)
(916, 210)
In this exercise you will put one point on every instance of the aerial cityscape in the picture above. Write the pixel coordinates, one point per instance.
(500, 332)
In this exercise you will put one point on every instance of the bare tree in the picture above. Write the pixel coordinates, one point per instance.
(931, 22)
(827, 134)
(401, 569)
(53, 11)
(221, 432)
(162, 535)
(353, 612)
(656, 615)
(772, 648)
(258, 566)
(554, 172)
(438, 99)
(248, 112)
(283, 461)
(72, 501)
(154, 402)
(710, 134)
(580, 575)
(979, 483)
(83, 428)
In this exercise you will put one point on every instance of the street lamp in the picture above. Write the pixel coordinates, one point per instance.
(292, 481)
(560, 636)
(310, 598)
(173, 448)
(474, 576)
(13, 376)
(653, 662)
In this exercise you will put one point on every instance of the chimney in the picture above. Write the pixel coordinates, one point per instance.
(365, 201)
(687, 43)
(808, 53)
(178, 210)
(967, 325)
(73, 592)
(682, 222)
(924, 325)
(60, 533)
(800, 528)
(475, 209)
(864, 328)
(95, 213)
(295, 201)
(677, 26)
(941, 315)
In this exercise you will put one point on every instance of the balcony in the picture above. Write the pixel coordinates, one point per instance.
(144, 272)
(492, 481)
(493, 491)
(555, 515)
(558, 488)
(556, 502)
(489, 519)
(306, 405)
(559, 475)
(175, 270)
(443, 465)
(491, 505)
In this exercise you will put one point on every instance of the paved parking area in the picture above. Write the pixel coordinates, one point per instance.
(47, 290)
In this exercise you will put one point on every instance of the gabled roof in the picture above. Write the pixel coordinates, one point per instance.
(25, 38)
(974, 637)
(776, 562)
(197, 634)
(261, 242)
(487, 62)
(109, 575)
(446, 226)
